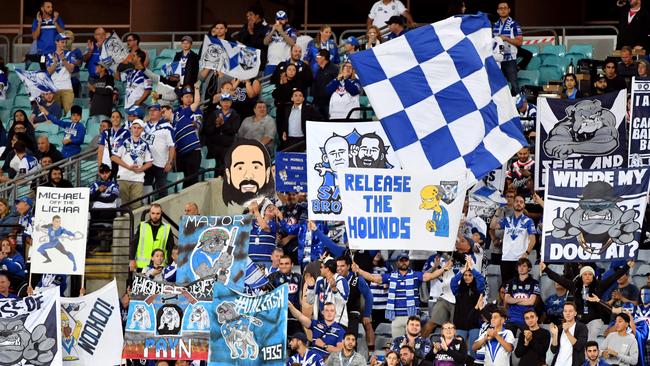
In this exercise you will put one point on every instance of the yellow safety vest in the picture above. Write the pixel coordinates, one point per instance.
(147, 243)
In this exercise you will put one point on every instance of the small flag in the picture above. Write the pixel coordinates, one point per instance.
(114, 51)
(231, 58)
(36, 82)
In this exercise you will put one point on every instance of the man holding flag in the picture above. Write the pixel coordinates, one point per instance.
(188, 62)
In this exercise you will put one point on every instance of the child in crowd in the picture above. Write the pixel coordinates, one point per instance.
(155, 268)
(169, 274)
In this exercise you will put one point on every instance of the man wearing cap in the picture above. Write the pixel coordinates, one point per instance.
(189, 62)
(279, 39)
(403, 299)
(397, 26)
(75, 132)
(138, 85)
(188, 121)
(351, 46)
(159, 135)
(100, 90)
(509, 31)
(134, 158)
(600, 85)
(45, 27)
(527, 111)
(104, 193)
(60, 66)
(383, 10)
(303, 355)
(327, 334)
(133, 113)
(587, 291)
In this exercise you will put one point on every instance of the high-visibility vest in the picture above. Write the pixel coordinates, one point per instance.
(147, 243)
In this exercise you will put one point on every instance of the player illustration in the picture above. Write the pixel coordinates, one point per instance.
(69, 336)
(214, 254)
(439, 222)
(54, 232)
(236, 331)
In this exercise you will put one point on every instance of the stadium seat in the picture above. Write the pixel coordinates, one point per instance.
(552, 60)
(152, 53)
(644, 255)
(551, 49)
(531, 75)
(83, 75)
(22, 101)
(534, 63)
(585, 49)
(549, 73)
(46, 128)
(167, 53)
(533, 48)
(160, 61)
(34, 66)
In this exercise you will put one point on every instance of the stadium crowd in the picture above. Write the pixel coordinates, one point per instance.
(406, 308)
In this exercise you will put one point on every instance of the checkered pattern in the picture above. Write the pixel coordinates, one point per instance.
(442, 98)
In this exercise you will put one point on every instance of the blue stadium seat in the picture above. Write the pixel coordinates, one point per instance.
(534, 63)
(528, 77)
(22, 101)
(552, 60)
(549, 73)
(552, 49)
(533, 48)
(47, 128)
(585, 49)
(168, 53)
(83, 75)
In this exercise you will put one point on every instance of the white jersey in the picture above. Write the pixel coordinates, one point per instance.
(160, 137)
(380, 12)
(495, 354)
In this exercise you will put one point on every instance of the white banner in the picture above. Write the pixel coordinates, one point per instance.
(231, 58)
(60, 230)
(92, 328)
(338, 145)
(114, 51)
(31, 330)
(396, 209)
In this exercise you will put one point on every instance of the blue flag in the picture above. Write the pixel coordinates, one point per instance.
(441, 97)
(173, 68)
(231, 58)
(248, 330)
(36, 82)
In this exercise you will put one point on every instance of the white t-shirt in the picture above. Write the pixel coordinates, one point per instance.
(565, 353)
(160, 139)
(61, 76)
(133, 153)
(380, 12)
(136, 84)
(495, 354)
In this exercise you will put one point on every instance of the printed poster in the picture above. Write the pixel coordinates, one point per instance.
(290, 172)
(639, 143)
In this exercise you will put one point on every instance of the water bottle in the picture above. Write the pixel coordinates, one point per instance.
(571, 69)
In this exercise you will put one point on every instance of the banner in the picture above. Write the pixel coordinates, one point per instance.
(248, 330)
(91, 328)
(496, 178)
(332, 146)
(114, 51)
(404, 210)
(594, 215)
(639, 142)
(214, 246)
(248, 174)
(290, 172)
(587, 133)
(60, 230)
(31, 331)
(168, 321)
(232, 58)
(36, 82)
(484, 199)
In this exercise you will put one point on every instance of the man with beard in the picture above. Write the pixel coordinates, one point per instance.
(303, 355)
(152, 234)
(45, 27)
(285, 275)
(55, 179)
(413, 338)
(248, 172)
(347, 356)
(370, 152)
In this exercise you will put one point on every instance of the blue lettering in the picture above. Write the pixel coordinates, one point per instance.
(405, 232)
(349, 181)
(161, 345)
(387, 204)
(323, 193)
(173, 343)
(367, 198)
(149, 342)
(407, 184)
(379, 227)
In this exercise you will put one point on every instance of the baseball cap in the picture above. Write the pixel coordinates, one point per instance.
(61, 36)
(154, 106)
(353, 41)
(402, 255)
(135, 111)
(281, 15)
(138, 122)
(600, 76)
(300, 336)
(396, 19)
(25, 199)
(186, 90)
(187, 38)
(103, 64)
(104, 168)
(226, 96)
(519, 100)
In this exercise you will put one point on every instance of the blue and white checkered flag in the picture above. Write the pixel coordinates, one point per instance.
(442, 98)
(36, 82)
(173, 68)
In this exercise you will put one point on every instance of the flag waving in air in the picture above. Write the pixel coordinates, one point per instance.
(442, 98)
(231, 58)
(36, 82)
(114, 51)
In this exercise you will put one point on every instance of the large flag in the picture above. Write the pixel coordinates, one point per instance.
(92, 328)
(334, 146)
(232, 58)
(60, 230)
(114, 51)
(587, 133)
(214, 246)
(36, 82)
(594, 215)
(248, 330)
(168, 321)
(639, 143)
(402, 209)
(441, 97)
(31, 329)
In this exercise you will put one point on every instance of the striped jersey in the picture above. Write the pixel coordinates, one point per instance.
(261, 243)
(311, 358)
(115, 139)
(187, 124)
(330, 334)
(379, 291)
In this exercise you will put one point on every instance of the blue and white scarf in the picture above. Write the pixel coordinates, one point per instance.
(406, 290)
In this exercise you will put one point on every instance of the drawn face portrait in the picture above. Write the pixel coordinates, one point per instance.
(371, 153)
(337, 153)
(247, 171)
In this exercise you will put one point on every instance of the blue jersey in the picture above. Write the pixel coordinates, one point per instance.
(75, 132)
(54, 234)
(187, 125)
(511, 29)
(521, 290)
(91, 64)
(312, 52)
(261, 243)
(116, 138)
(311, 358)
(255, 278)
(45, 43)
(330, 334)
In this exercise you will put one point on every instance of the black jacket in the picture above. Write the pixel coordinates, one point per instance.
(322, 78)
(581, 334)
(191, 67)
(255, 40)
(635, 33)
(101, 101)
(304, 74)
(535, 353)
(308, 113)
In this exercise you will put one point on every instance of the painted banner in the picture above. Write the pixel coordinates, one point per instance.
(232, 58)
(404, 210)
(639, 142)
(248, 330)
(31, 331)
(247, 175)
(60, 230)
(168, 321)
(338, 145)
(587, 133)
(594, 215)
(91, 328)
(214, 246)
(290, 172)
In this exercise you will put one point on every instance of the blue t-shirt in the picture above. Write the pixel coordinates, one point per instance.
(91, 64)
(311, 358)
(401, 288)
(330, 334)
(73, 131)
(45, 43)
(521, 290)
(312, 52)
(261, 243)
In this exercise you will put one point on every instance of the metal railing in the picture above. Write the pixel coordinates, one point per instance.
(108, 240)
(564, 29)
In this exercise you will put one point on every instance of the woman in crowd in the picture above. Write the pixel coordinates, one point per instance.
(323, 41)
(245, 94)
(449, 349)
(373, 38)
(21, 124)
(570, 87)
(643, 68)
(344, 91)
(467, 285)
(7, 217)
(12, 261)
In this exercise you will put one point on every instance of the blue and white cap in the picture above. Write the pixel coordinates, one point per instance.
(281, 15)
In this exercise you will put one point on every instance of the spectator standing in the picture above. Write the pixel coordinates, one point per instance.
(189, 62)
(633, 25)
(323, 41)
(397, 27)
(289, 81)
(45, 148)
(75, 132)
(100, 89)
(326, 72)
(48, 101)
(253, 33)
(45, 27)
(76, 58)
(137, 84)
(522, 292)
(60, 65)
(518, 238)
(467, 286)
(413, 338)
(620, 348)
(614, 81)
(187, 124)
(4, 79)
(133, 44)
(303, 356)
(110, 141)
(244, 94)
(510, 32)
(263, 232)
(285, 275)
(347, 356)
(329, 287)
(327, 334)
(221, 131)
(21, 164)
(279, 39)
(133, 158)
(568, 342)
(104, 192)
(158, 133)
(554, 305)
(626, 67)
(497, 342)
(260, 127)
(379, 291)
(151, 235)
(292, 129)
(533, 343)
(358, 288)
(303, 75)
(94, 52)
(344, 91)
(383, 10)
